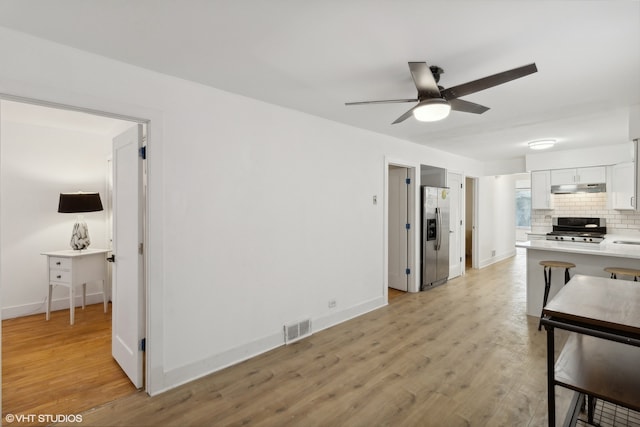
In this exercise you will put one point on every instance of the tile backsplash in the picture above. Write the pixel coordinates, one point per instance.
(593, 205)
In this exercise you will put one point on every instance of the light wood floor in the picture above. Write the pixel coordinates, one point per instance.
(461, 354)
(55, 368)
(394, 293)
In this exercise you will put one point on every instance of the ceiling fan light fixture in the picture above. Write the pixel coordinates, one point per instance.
(542, 144)
(432, 110)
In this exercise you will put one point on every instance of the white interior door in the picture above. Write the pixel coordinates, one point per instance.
(397, 231)
(127, 273)
(454, 182)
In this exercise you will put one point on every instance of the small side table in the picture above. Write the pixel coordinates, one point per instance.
(71, 268)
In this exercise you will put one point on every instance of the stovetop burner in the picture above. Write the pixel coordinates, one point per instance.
(575, 236)
(590, 230)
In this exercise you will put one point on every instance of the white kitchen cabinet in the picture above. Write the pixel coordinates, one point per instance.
(623, 186)
(563, 176)
(636, 178)
(541, 190)
(592, 175)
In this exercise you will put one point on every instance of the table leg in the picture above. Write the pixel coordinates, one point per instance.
(591, 406)
(551, 392)
(104, 295)
(72, 305)
(48, 316)
(84, 295)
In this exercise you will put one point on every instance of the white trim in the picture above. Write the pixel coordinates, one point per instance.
(61, 303)
(192, 371)
(59, 106)
(461, 215)
(499, 257)
(475, 244)
(413, 254)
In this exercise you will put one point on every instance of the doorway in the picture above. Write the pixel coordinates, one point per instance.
(55, 225)
(398, 232)
(400, 229)
(470, 232)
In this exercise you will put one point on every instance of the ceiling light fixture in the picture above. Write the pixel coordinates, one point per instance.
(543, 144)
(432, 110)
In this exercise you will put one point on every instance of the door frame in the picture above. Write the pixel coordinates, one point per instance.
(460, 208)
(398, 198)
(144, 203)
(413, 252)
(475, 247)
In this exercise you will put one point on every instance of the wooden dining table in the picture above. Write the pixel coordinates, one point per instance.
(601, 358)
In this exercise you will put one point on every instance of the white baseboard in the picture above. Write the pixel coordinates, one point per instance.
(327, 321)
(217, 362)
(41, 307)
(499, 257)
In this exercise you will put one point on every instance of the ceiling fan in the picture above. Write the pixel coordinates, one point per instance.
(435, 102)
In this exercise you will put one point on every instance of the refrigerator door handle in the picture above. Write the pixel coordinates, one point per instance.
(438, 228)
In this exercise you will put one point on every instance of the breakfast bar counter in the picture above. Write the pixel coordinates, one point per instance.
(590, 259)
(600, 358)
(629, 249)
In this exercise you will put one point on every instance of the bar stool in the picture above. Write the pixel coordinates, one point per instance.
(623, 272)
(548, 265)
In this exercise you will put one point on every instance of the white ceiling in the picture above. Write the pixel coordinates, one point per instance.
(313, 56)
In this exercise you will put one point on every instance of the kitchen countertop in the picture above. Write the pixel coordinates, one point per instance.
(605, 248)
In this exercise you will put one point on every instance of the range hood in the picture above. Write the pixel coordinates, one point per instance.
(578, 188)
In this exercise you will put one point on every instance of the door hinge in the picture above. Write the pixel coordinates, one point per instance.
(460, 185)
(140, 248)
(143, 344)
(407, 226)
(407, 271)
(143, 152)
(407, 181)
(460, 259)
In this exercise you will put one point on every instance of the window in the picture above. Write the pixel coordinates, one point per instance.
(523, 207)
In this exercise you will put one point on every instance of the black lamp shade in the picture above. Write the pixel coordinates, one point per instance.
(79, 202)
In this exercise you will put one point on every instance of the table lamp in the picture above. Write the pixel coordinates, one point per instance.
(79, 203)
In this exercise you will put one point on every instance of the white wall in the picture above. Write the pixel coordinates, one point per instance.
(258, 215)
(37, 164)
(634, 122)
(505, 167)
(496, 217)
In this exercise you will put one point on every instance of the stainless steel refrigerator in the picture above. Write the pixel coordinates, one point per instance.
(435, 236)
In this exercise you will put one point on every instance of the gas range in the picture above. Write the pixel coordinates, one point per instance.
(569, 236)
(572, 229)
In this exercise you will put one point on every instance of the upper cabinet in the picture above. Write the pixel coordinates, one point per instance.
(592, 175)
(541, 190)
(625, 183)
(563, 176)
(622, 186)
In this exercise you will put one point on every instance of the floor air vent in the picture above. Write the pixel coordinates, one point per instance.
(297, 331)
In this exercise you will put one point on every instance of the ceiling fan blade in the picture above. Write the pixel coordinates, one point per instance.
(405, 116)
(388, 101)
(487, 82)
(424, 81)
(466, 106)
